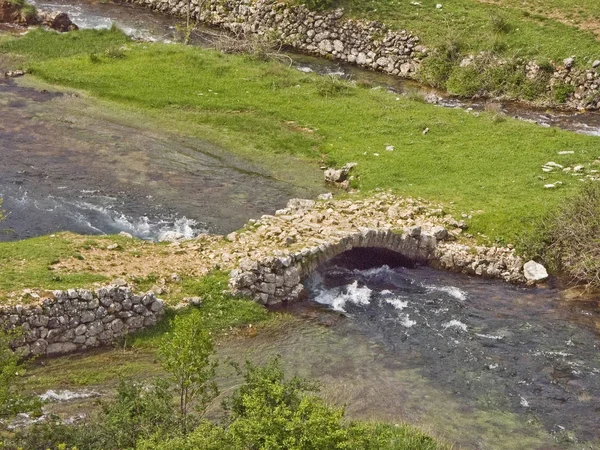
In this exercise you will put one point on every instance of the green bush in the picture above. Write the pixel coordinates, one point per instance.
(272, 412)
(568, 240)
(437, 67)
(562, 91)
(185, 354)
(139, 411)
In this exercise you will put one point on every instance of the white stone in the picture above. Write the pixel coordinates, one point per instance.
(534, 271)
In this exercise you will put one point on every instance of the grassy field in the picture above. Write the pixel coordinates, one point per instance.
(537, 29)
(480, 165)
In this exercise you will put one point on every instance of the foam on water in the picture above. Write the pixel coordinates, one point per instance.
(352, 293)
(65, 396)
(407, 322)
(455, 324)
(397, 303)
(100, 214)
(452, 291)
(490, 336)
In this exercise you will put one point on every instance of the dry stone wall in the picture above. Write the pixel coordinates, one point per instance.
(78, 319)
(365, 43)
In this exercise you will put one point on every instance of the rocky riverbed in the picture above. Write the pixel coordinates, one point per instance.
(77, 165)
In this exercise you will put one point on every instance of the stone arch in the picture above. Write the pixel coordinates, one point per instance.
(279, 278)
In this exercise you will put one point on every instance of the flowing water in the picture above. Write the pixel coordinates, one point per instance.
(484, 364)
(478, 362)
(146, 183)
(67, 164)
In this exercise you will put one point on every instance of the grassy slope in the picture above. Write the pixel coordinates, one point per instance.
(28, 264)
(479, 163)
(539, 29)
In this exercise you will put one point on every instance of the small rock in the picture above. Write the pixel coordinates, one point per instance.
(326, 196)
(568, 62)
(112, 246)
(14, 73)
(440, 233)
(414, 231)
(534, 271)
(425, 131)
(390, 148)
(553, 164)
(194, 301)
(125, 234)
(596, 64)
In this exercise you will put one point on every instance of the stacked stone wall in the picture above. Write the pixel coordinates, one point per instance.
(78, 319)
(365, 43)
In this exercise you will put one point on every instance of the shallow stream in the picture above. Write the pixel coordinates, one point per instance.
(484, 364)
(480, 363)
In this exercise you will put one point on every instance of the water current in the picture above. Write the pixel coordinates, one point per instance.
(66, 192)
(482, 363)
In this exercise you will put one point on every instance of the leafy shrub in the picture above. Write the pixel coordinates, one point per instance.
(568, 240)
(139, 411)
(562, 91)
(437, 68)
(269, 411)
(185, 353)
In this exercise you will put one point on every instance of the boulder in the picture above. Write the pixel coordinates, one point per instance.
(11, 12)
(57, 20)
(534, 271)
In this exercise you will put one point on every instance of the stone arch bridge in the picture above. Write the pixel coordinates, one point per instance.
(279, 278)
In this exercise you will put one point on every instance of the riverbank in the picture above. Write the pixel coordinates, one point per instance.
(487, 168)
(496, 66)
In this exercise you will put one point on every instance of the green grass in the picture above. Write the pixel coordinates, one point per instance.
(220, 313)
(477, 162)
(526, 28)
(42, 45)
(28, 264)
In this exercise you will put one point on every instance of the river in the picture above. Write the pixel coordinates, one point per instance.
(480, 363)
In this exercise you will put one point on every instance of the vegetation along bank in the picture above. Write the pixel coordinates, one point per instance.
(500, 70)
